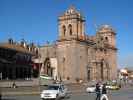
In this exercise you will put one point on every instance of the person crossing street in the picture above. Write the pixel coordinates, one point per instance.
(98, 91)
(104, 93)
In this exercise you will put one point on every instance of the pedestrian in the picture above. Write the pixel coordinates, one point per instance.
(104, 90)
(14, 85)
(98, 91)
(104, 93)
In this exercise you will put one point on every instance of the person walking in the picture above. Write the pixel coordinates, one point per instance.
(14, 85)
(104, 93)
(104, 90)
(98, 91)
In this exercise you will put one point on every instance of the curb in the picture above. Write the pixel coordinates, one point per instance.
(20, 93)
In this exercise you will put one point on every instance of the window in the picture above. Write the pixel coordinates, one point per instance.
(105, 51)
(101, 49)
(70, 29)
(64, 30)
(106, 38)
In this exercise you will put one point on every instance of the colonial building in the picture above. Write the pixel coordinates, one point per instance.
(16, 60)
(79, 56)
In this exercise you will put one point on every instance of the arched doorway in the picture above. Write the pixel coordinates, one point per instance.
(46, 68)
(104, 70)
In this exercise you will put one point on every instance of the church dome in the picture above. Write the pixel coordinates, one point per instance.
(105, 28)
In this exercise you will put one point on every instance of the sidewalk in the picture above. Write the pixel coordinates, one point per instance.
(9, 83)
(21, 91)
(36, 90)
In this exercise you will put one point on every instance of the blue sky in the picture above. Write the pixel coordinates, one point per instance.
(36, 21)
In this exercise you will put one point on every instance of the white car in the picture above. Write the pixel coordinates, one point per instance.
(54, 91)
(91, 89)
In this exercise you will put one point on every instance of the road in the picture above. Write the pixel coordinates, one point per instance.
(123, 94)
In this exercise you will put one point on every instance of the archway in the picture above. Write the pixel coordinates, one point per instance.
(46, 68)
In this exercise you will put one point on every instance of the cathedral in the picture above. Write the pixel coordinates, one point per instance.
(78, 57)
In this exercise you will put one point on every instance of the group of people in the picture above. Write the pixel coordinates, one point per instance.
(101, 92)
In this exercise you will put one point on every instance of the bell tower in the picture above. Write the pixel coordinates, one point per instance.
(71, 25)
(107, 35)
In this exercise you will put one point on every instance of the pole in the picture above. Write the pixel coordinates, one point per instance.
(39, 82)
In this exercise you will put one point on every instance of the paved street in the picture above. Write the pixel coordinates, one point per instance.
(123, 94)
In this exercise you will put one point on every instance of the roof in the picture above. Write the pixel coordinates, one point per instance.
(73, 13)
(105, 28)
(15, 47)
(72, 10)
(92, 38)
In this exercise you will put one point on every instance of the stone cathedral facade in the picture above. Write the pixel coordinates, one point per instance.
(80, 56)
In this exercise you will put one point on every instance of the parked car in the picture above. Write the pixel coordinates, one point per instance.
(91, 89)
(54, 91)
(113, 87)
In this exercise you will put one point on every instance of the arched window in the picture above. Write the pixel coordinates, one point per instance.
(64, 30)
(106, 38)
(70, 29)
